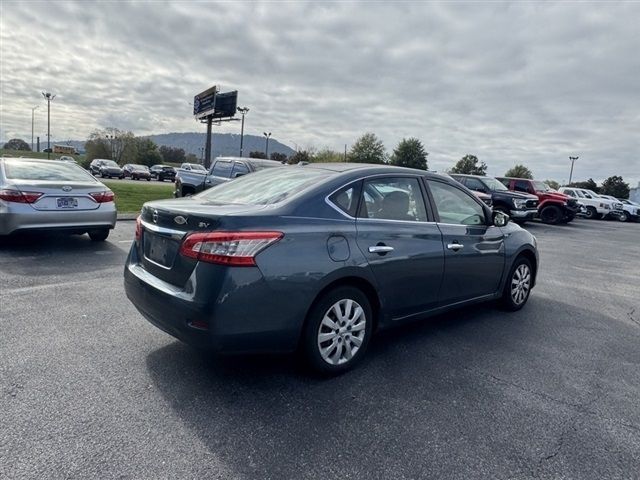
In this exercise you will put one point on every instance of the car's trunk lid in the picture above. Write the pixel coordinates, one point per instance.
(62, 196)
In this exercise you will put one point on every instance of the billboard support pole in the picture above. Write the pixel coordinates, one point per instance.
(207, 151)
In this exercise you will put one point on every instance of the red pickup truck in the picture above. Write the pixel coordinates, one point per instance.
(553, 207)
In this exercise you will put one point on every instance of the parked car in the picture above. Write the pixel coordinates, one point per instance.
(105, 168)
(597, 207)
(163, 172)
(553, 207)
(320, 257)
(193, 166)
(519, 206)
(52, 195)
(137, 172)
(630, 212)
(222, 170)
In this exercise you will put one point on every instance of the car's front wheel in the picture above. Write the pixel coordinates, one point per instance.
(592, 213)
(624, 217)
(99, 235)
(518, 287)
(338, 330)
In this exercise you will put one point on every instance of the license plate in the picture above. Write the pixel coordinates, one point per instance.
(67, 202)
(159, 249)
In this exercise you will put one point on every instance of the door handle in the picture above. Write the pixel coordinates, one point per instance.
(380, 249)
(455, 246)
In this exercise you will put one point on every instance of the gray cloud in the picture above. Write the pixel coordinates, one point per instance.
(510, 82)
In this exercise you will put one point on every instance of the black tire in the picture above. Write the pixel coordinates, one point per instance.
(512, 301)
(103, 175)
(569, 218)
(551, 215)
(98, 235)
(343, 334)
(148, 179)
(592, 213)
(623, 217)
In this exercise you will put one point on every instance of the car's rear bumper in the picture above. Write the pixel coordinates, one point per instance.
(216, 314)
(23, 217)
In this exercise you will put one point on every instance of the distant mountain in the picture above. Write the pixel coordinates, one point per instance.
(223, 144)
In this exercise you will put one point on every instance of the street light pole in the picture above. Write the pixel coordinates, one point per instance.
(267, 135)
(49, 97)
(572, 159)
(243, 111)
(32, 111)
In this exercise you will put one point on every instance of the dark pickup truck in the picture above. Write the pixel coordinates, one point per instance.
(223, 169)
(519, 206)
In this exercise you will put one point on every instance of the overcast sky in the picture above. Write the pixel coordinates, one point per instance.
(528, 83)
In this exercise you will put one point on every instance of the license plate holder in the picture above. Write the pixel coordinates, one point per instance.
(159, 249)
(67, 202)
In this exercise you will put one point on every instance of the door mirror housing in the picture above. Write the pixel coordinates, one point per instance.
(500, 219)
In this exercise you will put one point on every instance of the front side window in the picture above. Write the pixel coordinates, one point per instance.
(455, 206)
(475, 184)
(521, 186)
(239, 169)
(393, 198)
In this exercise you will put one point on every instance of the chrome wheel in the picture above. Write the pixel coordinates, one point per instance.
(520, 284)
(341, 332)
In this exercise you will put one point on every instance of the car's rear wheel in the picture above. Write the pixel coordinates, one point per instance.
(518, 287)
(99, 235)
(338, 330)
(551, 215)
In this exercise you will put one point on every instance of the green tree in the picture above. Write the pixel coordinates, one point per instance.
(519, 171)
(300, 156)
(589, 185)
(410, 153)
(191, 158)
(146, 152)
(367, 149)
(172, 154)
(278, 157)
(327, 155)
(470, 165)
(553, 184)
(111, 143)
(616, 187)
(257, 154)
(17, 144)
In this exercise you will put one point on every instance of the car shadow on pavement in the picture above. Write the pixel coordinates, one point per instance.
(469, 381)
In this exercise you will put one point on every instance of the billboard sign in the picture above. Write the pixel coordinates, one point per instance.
(204, 103)
(225, 104)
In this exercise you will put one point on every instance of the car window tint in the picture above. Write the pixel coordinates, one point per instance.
(239, 169)
(222, 169)
(393, 198)
(455, 206)
(346, 199)
(27, 170)
(521, 186)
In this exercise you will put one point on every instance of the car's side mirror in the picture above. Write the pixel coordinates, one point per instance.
(500, 219)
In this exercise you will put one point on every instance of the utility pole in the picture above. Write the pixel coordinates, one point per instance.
(49, 97)
(32, 111)
(572, 159)
(207, 151)
(243, 111)
(267, 135)
(201, 155)
(345, 152)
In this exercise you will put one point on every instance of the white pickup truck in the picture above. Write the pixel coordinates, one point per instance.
(630, 211)
(597, 206)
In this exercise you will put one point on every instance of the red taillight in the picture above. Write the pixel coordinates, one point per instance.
(138, 228)
(16, 196)
(228, 248)
(103, 197)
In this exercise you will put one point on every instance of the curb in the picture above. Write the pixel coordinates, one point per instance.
(127, 216)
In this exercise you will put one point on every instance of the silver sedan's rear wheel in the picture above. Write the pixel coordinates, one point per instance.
(337, 330)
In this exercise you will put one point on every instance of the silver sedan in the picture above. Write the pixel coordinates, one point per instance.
(53, 195)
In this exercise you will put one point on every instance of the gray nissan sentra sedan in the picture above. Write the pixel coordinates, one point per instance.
(319, 257)
(53, 195)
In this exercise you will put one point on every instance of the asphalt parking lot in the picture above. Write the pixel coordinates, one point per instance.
(89, 389)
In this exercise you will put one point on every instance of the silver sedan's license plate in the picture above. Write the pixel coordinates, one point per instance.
(67, 202)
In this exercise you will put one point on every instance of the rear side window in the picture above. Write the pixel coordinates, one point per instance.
(521, 186)
(222, 169)
(47, 171)
(239, 169)
(346, 199)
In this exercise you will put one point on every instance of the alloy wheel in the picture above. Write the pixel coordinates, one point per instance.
(341, 332)
(520, 284)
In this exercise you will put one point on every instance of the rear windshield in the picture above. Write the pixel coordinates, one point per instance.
(109, 163)
(267, 187)
(30, 170)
